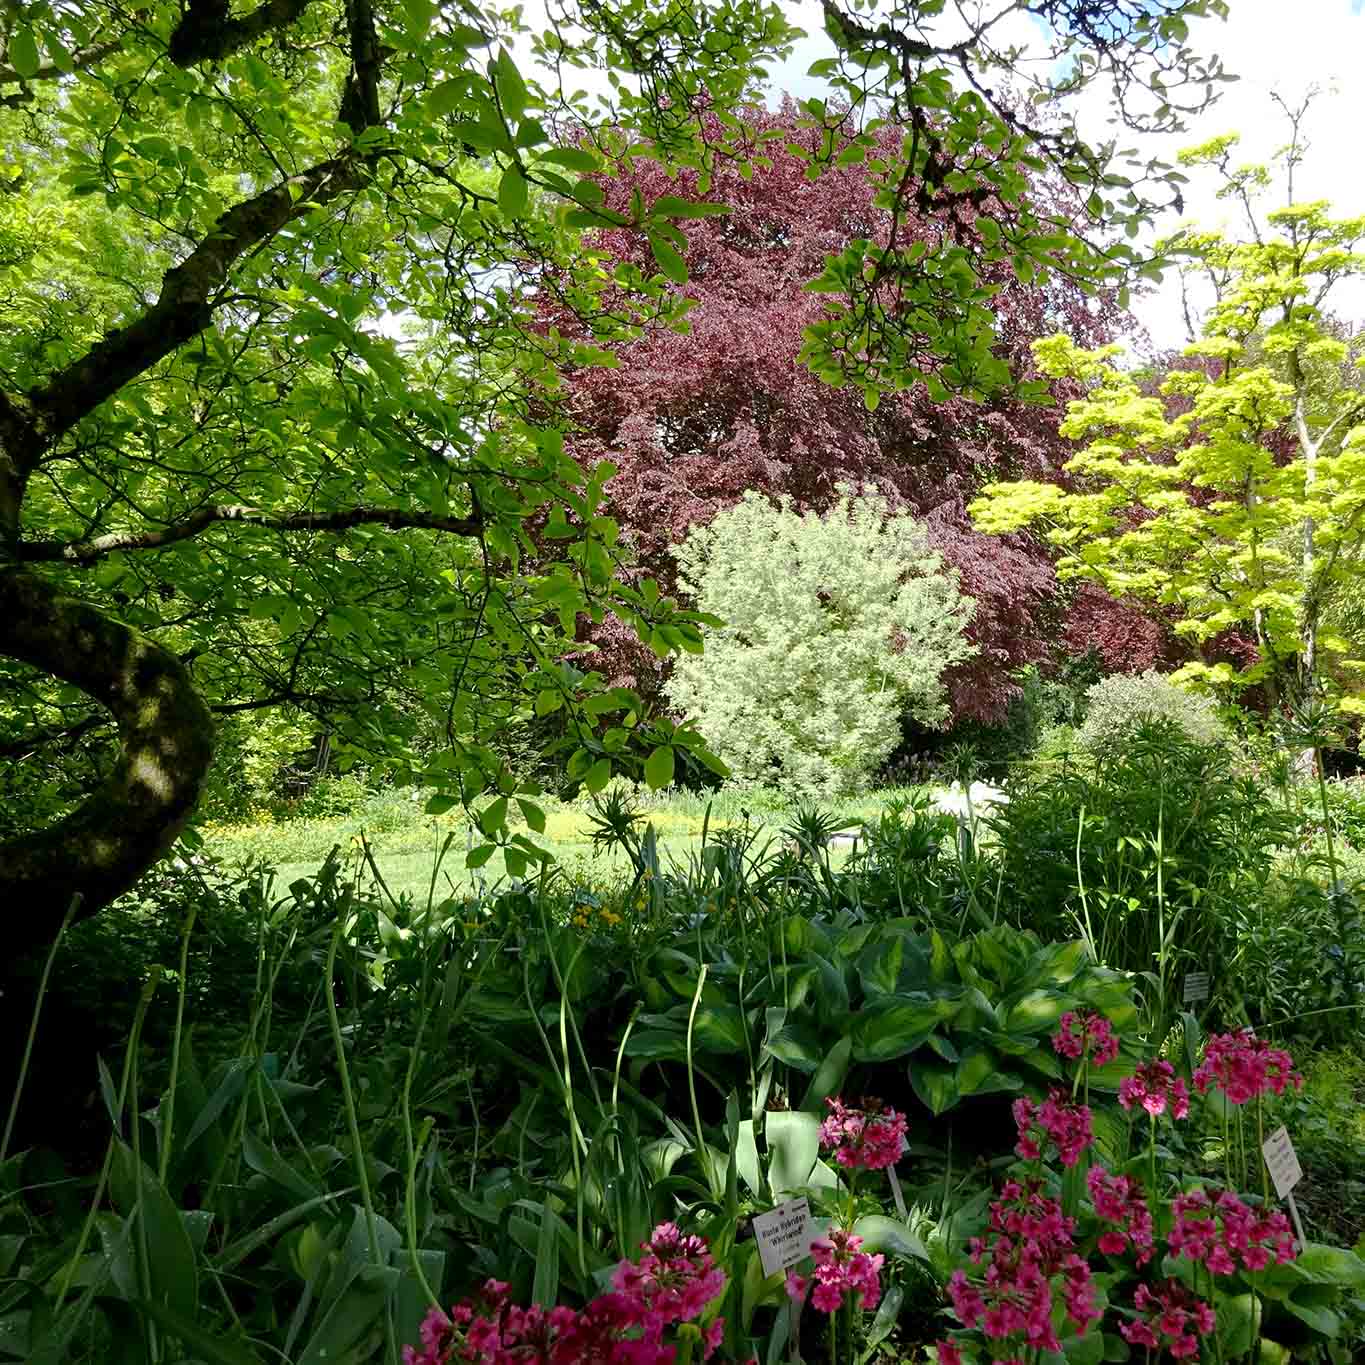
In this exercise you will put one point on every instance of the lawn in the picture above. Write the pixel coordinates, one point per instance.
(407, 843)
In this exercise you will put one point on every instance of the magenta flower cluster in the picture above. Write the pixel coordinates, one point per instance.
(1086, 1037)
(1066, 1123)
(1118, 1200)
(1245, 1067)
(672, 1282)
(870, 1138)
(1031, 1250)
(842, 1269)
(1222, 1231)
(1171, 1317)
(1156, 1088)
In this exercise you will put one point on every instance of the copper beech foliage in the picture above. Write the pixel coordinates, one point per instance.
(693, 420)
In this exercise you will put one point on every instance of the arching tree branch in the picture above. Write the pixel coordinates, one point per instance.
(166, 745)
(50, 71)
(209, 32)
(82, 552)
(187, 297)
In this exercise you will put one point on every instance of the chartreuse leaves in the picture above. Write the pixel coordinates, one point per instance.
(511, 89)
(514, 193)
(670, 261)
(23, 51)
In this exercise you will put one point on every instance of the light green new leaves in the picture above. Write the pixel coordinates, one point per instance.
(512, 92)
(514, 193)
(659, 767)
(23, 51)
(1181, 495)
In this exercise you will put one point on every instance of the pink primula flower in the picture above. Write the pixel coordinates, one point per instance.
(1244, 1067)
(1118, 1200)
(870, 1138)
(1030, 1254)
(1169, 1316)
(1086, 1036)
(674, 1281)
(1156, 1088)
(1066, 1123)
(1221, 1232)
(841, 1268)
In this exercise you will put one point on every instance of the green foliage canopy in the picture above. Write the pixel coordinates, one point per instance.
(227, 482)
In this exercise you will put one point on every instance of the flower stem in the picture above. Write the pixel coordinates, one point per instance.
(1151, 1148)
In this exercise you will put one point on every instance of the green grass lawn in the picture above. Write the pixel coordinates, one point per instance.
(406, 842)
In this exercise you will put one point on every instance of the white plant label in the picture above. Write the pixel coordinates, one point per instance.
(783, 1235)
(1196, 987)
(1282, 1162)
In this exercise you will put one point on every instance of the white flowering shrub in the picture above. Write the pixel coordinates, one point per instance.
(835, 626)
(1118, 704)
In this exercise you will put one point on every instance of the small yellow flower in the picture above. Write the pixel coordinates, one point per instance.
(611, 917)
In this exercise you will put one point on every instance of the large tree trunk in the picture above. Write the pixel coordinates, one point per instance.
(136, 814)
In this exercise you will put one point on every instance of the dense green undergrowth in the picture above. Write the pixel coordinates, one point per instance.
(332, 1103)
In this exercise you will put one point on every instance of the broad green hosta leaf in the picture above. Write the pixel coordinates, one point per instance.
(1239, 1320)
(1036, 1012)
(657, 1045)
(718, 1029)
(799, 1044)
(880, 1233)
(895, 1025)
(981, 1072)
(829, 1075)
(1331, 1265)
(935, 1083)
(1057, 963)
(793, 1144)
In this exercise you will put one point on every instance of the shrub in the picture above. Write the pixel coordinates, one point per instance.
(1040, 704)
(833, 626)
(1117, 705)
(1159, 832)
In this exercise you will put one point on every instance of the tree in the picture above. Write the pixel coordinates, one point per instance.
(222, 485)
(1236, 494)
(694, 420)
(834, 626)
(225, 484)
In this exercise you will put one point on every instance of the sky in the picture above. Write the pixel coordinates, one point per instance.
(1283, 46)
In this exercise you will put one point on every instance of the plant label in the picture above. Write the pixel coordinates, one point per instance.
(1282, 1162)
(1196, 987)
(783, 1235)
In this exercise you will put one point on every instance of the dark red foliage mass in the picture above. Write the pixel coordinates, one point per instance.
(693, 421)
(1125, 639)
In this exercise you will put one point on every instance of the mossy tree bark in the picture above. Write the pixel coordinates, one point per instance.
(166, 745)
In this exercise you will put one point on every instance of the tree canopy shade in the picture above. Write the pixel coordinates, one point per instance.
(224, 484)
(1236, 494)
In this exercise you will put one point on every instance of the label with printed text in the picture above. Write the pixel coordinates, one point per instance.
(783, 1235)
(1196, 987)
(1282, 1161)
